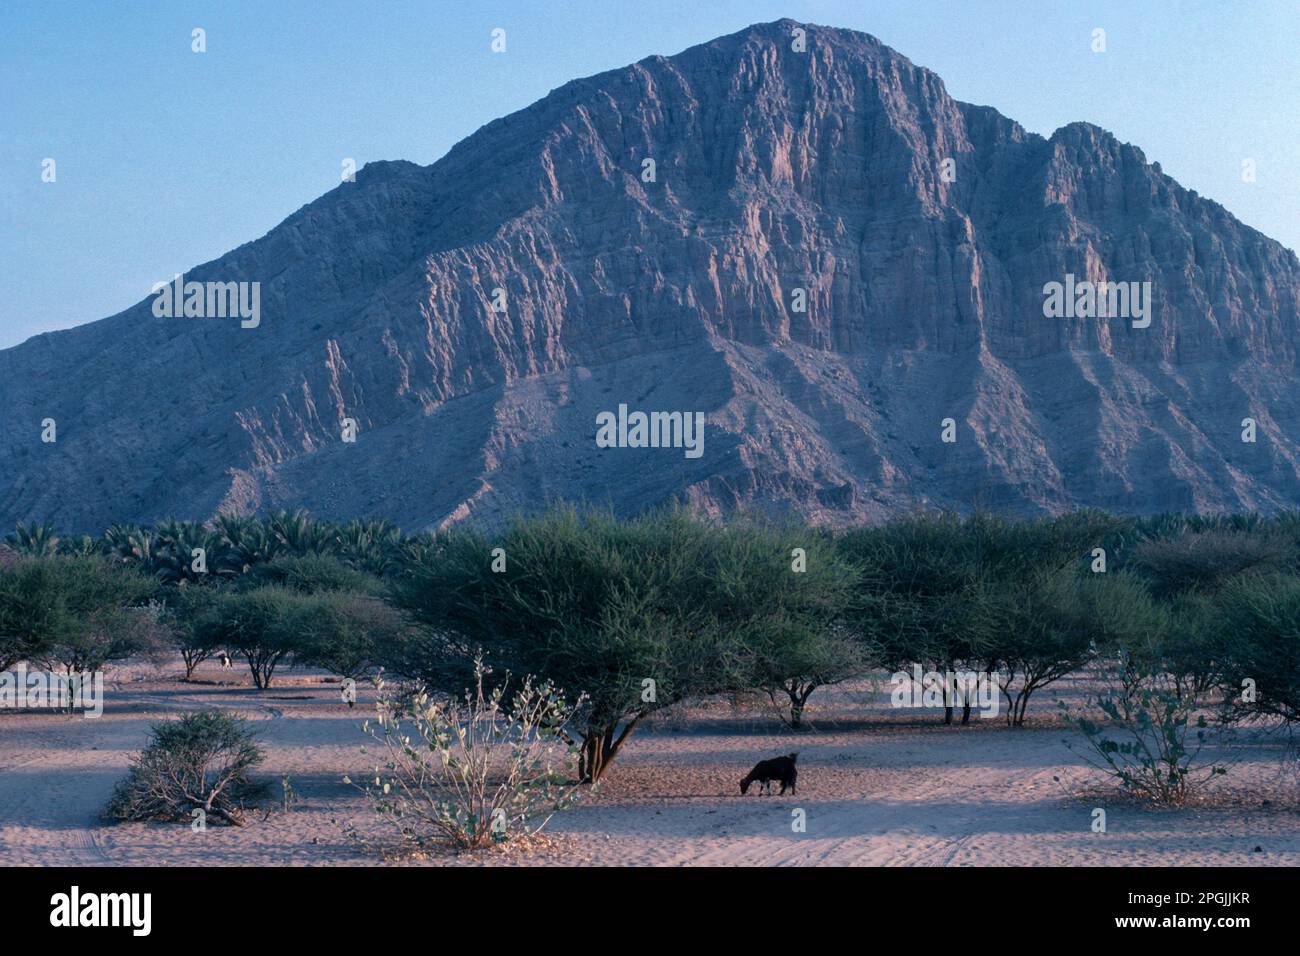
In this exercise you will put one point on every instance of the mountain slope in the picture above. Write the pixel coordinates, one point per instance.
(775, 171)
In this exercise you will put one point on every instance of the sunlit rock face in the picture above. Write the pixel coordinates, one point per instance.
(825, 255)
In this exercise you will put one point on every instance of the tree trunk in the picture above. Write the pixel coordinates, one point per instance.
(798, 699)
(594, 756)
(255, 666)
(599, 747)
(1022, 705)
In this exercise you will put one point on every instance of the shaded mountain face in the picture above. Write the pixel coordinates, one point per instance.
(827, 257)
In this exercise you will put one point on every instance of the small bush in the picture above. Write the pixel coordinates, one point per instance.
(473, 771)
(200, 761)
(1152, 743)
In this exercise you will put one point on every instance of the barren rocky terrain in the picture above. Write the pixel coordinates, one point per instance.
(779, 176)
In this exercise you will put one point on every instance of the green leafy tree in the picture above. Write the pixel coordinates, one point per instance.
(786, 591)
(636, 615)
(30, 614)
(190, 609)
(260, 625)
(312, 574)
(77, 613)
(1258, 644)
(350, 634)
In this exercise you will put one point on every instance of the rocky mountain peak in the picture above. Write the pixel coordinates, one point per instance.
(805, 240)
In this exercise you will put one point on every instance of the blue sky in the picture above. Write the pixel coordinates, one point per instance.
(167, 158)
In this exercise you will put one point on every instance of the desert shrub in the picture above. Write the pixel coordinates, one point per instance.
(1258, 647)
(200, 761)
(1154, 734)
(489, 766)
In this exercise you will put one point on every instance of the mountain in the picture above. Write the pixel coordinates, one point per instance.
(922, 230)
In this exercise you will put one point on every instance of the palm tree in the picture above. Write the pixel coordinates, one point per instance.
(82, 545)
(127, 542)
(302, 534)
(33, 540)
(370, 546)
(175, 544)
(245, 542)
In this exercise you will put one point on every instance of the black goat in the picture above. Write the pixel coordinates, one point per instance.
(765, 771)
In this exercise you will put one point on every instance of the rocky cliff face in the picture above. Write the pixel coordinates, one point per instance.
(916, 232)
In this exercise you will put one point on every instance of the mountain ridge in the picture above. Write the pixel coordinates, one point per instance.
(775, 171)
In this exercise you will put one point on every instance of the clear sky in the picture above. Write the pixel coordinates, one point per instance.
(166, 158)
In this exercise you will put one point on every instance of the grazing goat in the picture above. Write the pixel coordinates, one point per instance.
(765, 771)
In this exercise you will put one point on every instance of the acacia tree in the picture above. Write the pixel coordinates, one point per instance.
(349, 634)
(29, 612)
(260, 624)
(1035, 608)
(1048, 625)
(77, 613)
(1258, 642)
(912, 603)
(312, 574)
(189, 608)
(786, 590)
(1206, 561)
(636, 615)
(1192, 571)
(952, 593)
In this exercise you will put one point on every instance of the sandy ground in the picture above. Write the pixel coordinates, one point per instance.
(877, 786)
